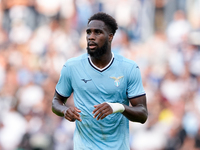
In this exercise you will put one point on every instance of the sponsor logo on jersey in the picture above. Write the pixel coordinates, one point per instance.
(84, 80)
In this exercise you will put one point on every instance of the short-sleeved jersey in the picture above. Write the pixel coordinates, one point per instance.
(119, 81)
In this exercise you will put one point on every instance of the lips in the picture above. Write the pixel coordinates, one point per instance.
(92, 45)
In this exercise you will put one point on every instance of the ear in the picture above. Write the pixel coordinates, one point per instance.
(110, 37)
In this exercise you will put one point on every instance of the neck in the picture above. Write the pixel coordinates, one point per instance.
(103, 61)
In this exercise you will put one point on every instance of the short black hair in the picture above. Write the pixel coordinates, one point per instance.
(109, 21)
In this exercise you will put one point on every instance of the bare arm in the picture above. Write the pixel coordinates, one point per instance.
(60, 109)
(138, 111)
(58, 106)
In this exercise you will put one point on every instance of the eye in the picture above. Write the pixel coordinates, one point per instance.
(88, 31)
(98, 32)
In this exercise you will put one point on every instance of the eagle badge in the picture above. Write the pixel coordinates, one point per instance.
(117, 80)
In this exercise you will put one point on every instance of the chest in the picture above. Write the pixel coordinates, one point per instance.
(87, 79)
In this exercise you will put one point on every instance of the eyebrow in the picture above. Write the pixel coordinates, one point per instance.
(94, 30)
(88, 29)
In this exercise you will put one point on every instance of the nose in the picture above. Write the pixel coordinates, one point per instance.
(91, 36)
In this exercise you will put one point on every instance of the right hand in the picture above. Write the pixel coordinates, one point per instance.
(72, 114)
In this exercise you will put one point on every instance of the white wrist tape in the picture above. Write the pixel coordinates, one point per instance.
(116, 107)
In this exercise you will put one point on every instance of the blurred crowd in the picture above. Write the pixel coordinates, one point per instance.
(38, 36)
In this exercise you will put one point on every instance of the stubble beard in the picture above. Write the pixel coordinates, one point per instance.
(99, 51)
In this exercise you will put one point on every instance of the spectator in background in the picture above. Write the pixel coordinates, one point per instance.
(181, 26)
(28, 59)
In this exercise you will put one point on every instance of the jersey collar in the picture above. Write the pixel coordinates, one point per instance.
(101, 69)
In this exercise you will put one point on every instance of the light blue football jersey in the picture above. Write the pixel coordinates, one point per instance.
(90, 86)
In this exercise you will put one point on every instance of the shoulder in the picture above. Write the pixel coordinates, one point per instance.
(76, 60)
(125, 61)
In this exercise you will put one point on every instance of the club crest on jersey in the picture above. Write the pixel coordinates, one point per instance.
(117, 80)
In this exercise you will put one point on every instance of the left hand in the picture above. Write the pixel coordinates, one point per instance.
(102, 110)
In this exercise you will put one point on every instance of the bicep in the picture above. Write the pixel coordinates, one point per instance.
(135, 87)
(138, 112)
(59, 98)
(64, 85)
(58, 106)
(138, 101)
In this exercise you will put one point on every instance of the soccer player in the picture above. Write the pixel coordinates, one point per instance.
(103, 84)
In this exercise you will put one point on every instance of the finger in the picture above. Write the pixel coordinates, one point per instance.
(78, 110)
(70, 119)
(76, 116)
(97, 105)
(96, 108)
(73, 114)
(105, 114)
(99, 110)
(94, 111)
(100, 115)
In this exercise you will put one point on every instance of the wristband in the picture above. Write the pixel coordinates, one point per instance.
(116, 107)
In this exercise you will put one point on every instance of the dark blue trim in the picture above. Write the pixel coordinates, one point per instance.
(61, 95)
(137, 96)
(97, 68)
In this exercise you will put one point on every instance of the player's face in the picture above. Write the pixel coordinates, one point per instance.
(97, 38)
